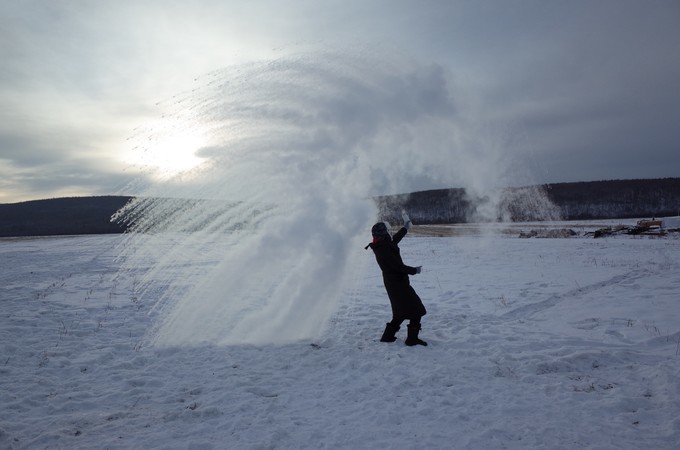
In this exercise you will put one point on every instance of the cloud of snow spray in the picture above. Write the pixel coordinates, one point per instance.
(255, 244)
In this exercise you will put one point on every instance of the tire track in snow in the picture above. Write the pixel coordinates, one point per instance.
(527, 311)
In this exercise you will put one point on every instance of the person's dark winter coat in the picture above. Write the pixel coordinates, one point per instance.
(404, 301)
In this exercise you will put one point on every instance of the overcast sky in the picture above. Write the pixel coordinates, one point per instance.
(593, 85)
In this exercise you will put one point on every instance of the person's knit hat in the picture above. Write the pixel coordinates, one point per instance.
(379, 230)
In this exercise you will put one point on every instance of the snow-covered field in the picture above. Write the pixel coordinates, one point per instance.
(534, 343)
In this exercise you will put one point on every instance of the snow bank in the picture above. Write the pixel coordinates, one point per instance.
(670, 222)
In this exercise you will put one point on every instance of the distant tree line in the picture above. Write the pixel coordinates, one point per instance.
(615, 199)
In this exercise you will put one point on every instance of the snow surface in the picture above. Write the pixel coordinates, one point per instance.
(534, 343)
(671, 222)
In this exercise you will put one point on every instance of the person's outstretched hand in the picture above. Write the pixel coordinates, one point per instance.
(407, 220)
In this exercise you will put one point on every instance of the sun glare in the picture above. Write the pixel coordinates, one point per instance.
(177, 153)
(169, 148)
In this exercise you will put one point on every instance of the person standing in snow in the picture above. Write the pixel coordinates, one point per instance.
(403, 298)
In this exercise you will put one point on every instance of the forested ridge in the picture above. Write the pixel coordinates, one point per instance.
(61, 216)
(611, 199)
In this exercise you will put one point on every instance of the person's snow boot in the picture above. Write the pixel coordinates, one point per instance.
(412, 337)
(389, 333)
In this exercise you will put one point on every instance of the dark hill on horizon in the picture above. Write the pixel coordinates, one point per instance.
(612, 199)
(591, 200)
(61, 216)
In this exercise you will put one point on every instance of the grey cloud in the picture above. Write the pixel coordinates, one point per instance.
(64, 177)
(20, 151)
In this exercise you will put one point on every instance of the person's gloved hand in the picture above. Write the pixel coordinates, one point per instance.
(419, 269)
(407, 220)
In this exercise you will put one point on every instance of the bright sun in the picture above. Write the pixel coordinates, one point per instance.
(169, 148)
